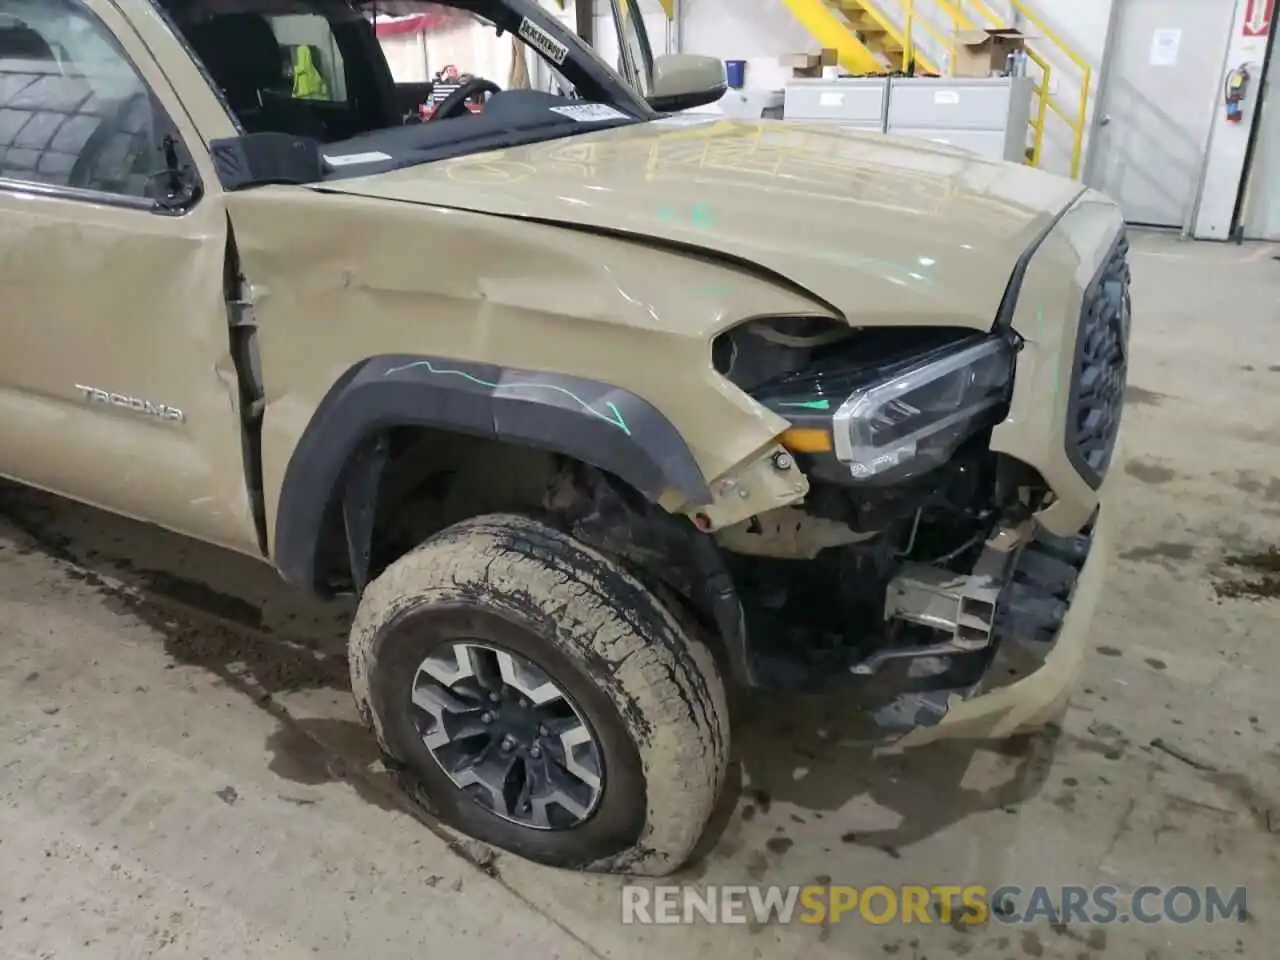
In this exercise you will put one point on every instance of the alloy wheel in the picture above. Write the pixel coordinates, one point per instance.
(507, 735)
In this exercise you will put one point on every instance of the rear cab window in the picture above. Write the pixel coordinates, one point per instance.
(311, 57)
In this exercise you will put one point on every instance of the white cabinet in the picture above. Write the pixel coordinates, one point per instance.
(861, 103)
(988, 116)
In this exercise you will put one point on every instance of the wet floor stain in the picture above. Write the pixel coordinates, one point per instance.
(1109, 651)
(316, 752)
(1163, 550)
(779, 845)
(1138, 396)
(1104, 739)
(1250, 576)
(1149, 472)
(222, 635)
(199, 625)
(1156, 664)
(203, 597)
(273, 666)
(1258, 485)
(228, 795)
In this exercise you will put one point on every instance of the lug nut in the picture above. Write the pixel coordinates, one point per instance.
(783, 461)
(507, 744)
(486, 717)
(495, 697)
(535, 751)
(542, 731)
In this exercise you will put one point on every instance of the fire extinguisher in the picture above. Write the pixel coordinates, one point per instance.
(1236, 92)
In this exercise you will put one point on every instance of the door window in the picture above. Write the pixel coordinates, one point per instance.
(73, 110)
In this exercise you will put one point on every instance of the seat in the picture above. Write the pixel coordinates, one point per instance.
(246, 61)
(242, 55)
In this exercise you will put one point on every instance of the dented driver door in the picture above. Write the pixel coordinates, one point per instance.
(116, 385)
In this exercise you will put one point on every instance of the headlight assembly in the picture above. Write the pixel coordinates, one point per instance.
(913, 421)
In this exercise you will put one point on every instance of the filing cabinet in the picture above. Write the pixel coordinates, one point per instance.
(988, 116)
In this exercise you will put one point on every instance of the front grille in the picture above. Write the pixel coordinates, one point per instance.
(1101, 366)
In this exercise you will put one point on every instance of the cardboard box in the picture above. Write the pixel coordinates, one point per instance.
(981, 53)
(810, 64)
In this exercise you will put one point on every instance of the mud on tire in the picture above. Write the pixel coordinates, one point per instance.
(645, 685)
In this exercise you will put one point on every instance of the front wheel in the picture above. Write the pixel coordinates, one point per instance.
(536, 696)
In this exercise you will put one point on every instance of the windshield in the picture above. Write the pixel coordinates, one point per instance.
(377, 87)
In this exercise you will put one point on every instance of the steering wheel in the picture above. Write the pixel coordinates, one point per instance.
(457, 101)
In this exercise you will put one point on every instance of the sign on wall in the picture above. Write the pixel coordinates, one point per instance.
(1258, 15)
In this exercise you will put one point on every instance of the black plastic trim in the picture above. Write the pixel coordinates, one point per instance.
(606, 426)
(1091, 476)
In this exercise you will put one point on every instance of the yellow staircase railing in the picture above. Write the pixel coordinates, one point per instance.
(871, 41)
(1076, 120)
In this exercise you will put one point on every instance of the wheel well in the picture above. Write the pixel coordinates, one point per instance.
(424, 479)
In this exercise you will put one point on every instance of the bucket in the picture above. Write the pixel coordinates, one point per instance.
(735, 72)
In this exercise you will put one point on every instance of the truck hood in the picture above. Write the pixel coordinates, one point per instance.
(881, 230)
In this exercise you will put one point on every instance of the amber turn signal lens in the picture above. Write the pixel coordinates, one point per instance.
(806, 440)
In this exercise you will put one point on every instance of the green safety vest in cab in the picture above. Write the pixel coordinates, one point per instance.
(308, 81)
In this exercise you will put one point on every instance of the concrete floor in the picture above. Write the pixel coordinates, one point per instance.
(182, 775)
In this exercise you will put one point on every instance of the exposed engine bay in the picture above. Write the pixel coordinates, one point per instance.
(899, 559)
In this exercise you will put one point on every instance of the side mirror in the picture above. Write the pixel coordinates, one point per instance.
(682, 81)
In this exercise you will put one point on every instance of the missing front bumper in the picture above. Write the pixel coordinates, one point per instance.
(1041, 635)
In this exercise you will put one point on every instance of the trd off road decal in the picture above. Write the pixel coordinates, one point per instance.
(543, 42)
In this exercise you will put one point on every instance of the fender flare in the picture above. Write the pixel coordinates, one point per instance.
(603, 425)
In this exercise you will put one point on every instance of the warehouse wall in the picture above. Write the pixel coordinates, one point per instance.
(759, 31)
(1224, 165)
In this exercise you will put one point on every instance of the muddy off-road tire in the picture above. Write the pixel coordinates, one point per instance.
(582, 724)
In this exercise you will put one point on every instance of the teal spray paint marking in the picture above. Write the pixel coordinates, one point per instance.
(700, 216)
(807, 404)
(613, 417)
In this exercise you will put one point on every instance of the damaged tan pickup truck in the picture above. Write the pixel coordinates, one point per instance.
(598, 411)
